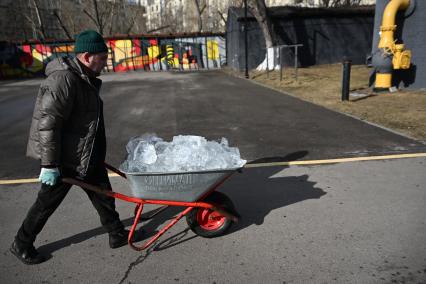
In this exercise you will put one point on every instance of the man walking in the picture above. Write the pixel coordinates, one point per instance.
(67, 135)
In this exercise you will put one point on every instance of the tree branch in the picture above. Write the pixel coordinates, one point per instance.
(90, 16)
(106, 13)
(100, 24)
(112, 18)
(158, 29)
(200, 20)
(221, 16)
(40, 22)
(260, 12)
(55, 13)
(131, 26)
(202, 9)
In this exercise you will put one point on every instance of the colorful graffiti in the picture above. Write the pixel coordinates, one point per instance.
(29, 60)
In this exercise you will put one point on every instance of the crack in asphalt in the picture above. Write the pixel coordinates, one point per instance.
(138, 261)
(157, 246)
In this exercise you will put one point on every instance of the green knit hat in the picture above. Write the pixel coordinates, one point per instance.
(90, 41)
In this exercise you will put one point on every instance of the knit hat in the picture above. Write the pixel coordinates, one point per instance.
(90, 41)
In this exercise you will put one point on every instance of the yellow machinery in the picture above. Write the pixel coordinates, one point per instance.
(390, 55)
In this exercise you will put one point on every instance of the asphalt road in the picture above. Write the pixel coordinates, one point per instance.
(264, 124)
(361, 222)
(357, 222)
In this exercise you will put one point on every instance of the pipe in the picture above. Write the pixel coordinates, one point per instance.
(388, 22)
(390, 55)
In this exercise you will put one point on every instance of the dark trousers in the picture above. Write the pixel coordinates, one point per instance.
(49, 198)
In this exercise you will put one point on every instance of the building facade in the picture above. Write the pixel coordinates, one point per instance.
(154, 13)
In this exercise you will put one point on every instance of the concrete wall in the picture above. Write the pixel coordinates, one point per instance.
(326, 36)
(126, 54)
(411, 30)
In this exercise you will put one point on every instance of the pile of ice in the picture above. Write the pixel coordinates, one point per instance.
(149, 153)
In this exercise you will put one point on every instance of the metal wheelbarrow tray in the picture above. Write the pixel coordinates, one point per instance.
(209, 213)
(175, 186)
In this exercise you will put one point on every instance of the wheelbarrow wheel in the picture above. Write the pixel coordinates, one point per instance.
(208, 223)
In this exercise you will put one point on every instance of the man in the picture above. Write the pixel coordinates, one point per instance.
(67, 135)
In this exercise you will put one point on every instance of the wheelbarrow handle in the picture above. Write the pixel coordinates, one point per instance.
(115, 170)
(88, 186)
(100, 190)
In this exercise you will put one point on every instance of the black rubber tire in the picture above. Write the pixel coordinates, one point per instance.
(219, 199)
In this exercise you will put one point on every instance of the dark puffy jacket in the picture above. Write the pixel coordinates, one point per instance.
(67, 118)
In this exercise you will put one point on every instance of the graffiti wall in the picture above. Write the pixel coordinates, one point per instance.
(149, 54)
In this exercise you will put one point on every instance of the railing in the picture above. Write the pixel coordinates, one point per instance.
(278, 58)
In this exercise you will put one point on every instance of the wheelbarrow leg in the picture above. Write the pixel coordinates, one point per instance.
(138, 210)
(159, 234)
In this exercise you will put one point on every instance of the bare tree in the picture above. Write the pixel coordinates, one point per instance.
(16, 24)
(98, 12)
(215, 15)
(31, 15)
(134, 21)
(71, 15)
(39, 18)
(199, 9)
(56, 13)
(260, 12)
(171, 19)
(118, 17)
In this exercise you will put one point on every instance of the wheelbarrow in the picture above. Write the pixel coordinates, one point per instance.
(209, 213)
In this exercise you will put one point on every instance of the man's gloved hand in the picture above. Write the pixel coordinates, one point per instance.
(49, 176)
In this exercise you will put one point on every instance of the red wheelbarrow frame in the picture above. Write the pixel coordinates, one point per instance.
(141, 202)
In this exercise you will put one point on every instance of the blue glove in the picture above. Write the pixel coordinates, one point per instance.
(49, 176)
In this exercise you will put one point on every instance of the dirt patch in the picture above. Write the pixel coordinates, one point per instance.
(402, 111)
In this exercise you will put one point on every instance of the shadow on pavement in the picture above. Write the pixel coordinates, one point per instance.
(143, 232)
(81, 237)
(287, 158)
(257, 193)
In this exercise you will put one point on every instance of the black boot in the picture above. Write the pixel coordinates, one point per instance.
(28, 255)
(118, 239)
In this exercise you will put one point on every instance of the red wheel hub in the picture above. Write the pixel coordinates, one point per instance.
(209, 220)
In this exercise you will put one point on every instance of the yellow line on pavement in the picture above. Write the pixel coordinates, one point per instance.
(34, 180)
(274, 164)
(335, 161)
